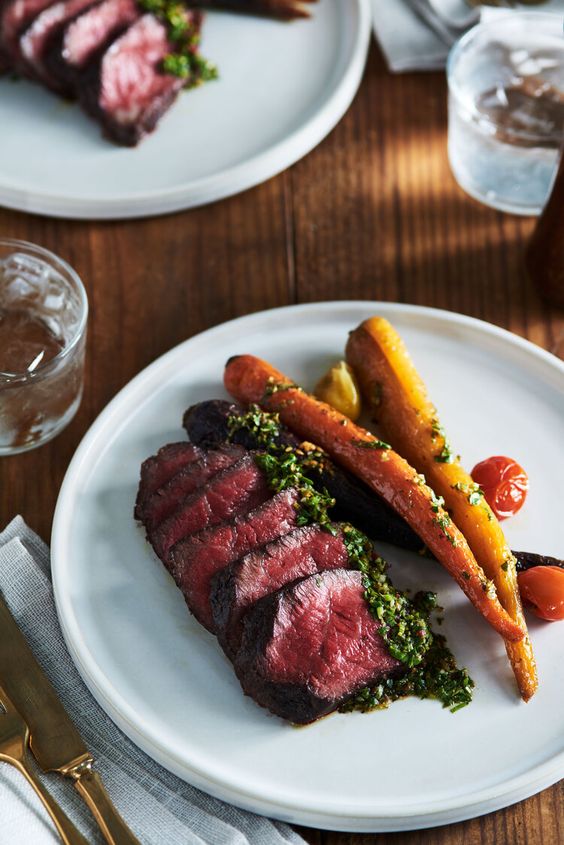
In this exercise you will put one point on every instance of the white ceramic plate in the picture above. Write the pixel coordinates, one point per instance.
(283, 87)
(165, 681)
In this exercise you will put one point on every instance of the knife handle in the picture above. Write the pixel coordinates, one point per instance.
(89, 786)
(69, 834)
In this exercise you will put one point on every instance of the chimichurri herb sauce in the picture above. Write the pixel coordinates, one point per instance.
(404, 622)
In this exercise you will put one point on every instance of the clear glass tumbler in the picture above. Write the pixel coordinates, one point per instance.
(506, 109)
(43, 315)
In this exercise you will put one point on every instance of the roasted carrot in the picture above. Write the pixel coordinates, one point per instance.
(250, 379)
(399, 403)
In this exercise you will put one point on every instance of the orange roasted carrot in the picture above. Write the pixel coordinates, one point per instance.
(398, 401)
(250, 379)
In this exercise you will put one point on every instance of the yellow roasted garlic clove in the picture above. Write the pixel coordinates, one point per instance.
(339, 389)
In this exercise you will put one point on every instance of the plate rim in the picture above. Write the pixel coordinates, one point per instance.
(227, 182)
(355, 818)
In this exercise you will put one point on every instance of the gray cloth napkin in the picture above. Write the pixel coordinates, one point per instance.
(160, 808)
(410, 43)
(406, 41)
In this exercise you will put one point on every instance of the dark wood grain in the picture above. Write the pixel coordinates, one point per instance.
(372, 213)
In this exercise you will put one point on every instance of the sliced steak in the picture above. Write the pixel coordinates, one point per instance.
(15, 17)
(126, 91)
(164, 501)
(85, 38)
(194, 561)
(261, 572)
(160, 468)
(207, 425)
(235, 490)
(311, 646)
(34, 42)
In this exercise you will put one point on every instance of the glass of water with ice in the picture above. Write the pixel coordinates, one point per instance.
(506, 109)
(43, 314)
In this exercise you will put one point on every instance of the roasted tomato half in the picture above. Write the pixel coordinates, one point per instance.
(504, 482)
(542, 589)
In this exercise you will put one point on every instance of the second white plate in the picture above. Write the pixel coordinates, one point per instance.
(164, 679)
(282, 88)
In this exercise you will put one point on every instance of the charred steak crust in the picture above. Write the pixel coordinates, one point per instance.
(207, 425)
(194, 561)
(311, 646)
(259, 573)
(15, 17)
(160, 468)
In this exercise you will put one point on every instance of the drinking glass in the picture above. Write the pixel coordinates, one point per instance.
(43, 315)
(506, 109)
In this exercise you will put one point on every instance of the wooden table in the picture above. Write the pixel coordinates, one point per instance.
(372, 213)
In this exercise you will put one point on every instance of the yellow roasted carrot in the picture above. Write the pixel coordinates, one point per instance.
(399, 403)
(251, 380)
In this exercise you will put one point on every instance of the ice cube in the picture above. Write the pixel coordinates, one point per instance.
(23, 277)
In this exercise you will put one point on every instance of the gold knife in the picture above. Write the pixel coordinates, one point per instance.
(54, 741)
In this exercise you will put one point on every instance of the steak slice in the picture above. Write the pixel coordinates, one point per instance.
(164, 501)
(261, 572)
(15, 17)
(85, 38)
(160, 468)
(235, 490)
(126, 91)
(36, 38)
(311, 646)
(194, 561)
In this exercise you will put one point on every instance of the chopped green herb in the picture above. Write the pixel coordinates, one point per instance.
(445, 456)
(473, 491)
(444, 522)
(285, 468)
(372, 444)
(262, 425)
(275, 387)
(437, 502)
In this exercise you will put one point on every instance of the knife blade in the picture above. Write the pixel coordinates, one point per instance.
(54, 740)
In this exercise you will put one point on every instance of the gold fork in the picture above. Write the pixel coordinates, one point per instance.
(14, 741)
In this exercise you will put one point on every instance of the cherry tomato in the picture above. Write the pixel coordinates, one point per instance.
(542, 587)
(504, 482)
